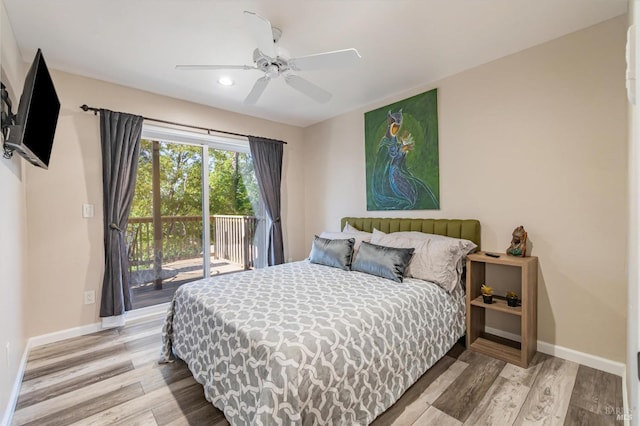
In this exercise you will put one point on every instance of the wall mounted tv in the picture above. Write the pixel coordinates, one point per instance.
(30, 132)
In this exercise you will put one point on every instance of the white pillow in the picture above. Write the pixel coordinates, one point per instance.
(437, 258)
(465, 245)
(351, 229)
(358, 236)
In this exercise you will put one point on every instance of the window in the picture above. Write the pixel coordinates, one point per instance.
(196, 212)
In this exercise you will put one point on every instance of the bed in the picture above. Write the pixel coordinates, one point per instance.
(304, 343)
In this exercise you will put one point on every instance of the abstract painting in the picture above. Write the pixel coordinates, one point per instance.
(401, 154)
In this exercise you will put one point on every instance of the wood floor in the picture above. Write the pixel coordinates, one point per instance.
(112, 378)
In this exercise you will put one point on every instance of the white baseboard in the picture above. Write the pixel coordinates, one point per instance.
(15, 389)
(110, 322)
(625, 401)
(57, 336)
(583, 358)
(504, 334)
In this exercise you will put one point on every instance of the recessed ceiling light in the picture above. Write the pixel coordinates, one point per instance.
(225, 81)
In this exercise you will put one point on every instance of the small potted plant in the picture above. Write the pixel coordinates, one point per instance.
(487, 294)
(512, 299)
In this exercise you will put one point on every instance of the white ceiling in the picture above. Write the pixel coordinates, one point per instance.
(403, 43)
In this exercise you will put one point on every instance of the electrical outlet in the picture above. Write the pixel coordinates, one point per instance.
(89, 297)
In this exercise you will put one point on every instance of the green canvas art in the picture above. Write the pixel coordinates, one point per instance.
(401, 150)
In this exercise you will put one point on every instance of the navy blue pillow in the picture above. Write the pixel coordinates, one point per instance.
(336, 253)
(385, 262)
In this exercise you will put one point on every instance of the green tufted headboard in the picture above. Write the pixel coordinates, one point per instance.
(469, 229)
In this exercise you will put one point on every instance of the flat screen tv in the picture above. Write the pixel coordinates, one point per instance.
(35, 122)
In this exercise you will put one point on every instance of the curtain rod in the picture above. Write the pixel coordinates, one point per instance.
(86, 108)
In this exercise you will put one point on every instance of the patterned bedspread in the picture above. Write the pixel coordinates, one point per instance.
(301, 344)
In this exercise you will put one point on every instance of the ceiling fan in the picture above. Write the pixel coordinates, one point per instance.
(274, 61)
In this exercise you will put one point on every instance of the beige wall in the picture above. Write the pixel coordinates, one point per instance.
(65, 250)
(12, 230)
(539, 139)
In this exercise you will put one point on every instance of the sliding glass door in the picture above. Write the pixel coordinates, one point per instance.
(238, 223)
(196, 213)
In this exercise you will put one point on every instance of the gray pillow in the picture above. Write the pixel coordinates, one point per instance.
(336, 253)
(385, 262)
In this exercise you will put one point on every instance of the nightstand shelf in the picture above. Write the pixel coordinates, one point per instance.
(499, 304)
(497, 350)
(518, 353)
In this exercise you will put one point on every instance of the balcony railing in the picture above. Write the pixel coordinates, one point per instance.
(231, 237)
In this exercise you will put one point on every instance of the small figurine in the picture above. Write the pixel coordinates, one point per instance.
(518, 245)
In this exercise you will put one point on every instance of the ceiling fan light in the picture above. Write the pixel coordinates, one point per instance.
(225, 81)
(272, 71)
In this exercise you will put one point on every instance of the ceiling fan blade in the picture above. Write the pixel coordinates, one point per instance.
(335, 59)
(257, 90)
(215, 67)
(308, 88)
(262, 32)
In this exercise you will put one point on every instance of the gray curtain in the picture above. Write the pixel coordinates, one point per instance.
(120, 138)
(267, 163)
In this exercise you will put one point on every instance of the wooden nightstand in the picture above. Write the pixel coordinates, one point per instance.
(518, 353)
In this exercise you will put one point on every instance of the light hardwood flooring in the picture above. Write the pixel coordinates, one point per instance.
(113, 378)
